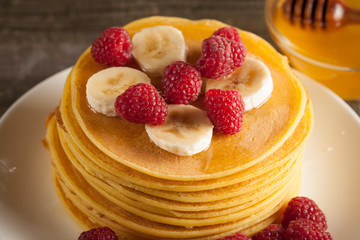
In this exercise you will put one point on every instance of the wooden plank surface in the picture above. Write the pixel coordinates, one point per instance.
(41, 37)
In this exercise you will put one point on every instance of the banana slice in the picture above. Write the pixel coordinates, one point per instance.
(253, 81)
(156, 47)
(186, 131)
(104, 86)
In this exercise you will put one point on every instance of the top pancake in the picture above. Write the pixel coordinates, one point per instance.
(264, 129)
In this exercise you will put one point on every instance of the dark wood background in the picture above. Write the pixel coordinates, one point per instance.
(41, 37)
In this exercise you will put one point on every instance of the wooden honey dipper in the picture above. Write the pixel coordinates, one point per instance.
(325, 14)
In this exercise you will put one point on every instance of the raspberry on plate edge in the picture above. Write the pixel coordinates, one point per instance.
(304, 229)
(98, 233)
(303, 207)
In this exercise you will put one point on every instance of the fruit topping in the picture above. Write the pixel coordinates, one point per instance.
(104, 86)
(113, 47)
(186, 131)
(222, 53)
(220, 57)
(181, 83)
(232, 34)
(229, 33)
(216, 58)
(252, 80)
(303, 207)
(239, 52)
(225, 108)
(156, 47)
(101, 233)
(141, 103)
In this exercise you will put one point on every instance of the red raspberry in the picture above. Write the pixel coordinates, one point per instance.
(230, 33)
(303, 229)
(141, 103)
(225, 109)
(216, 59)
(272, 232)
(113, 47)
(220, 57)
(101, 233)
(303, 207)
(236, 236)
(238, 49)
(239, 52)
(181, 83)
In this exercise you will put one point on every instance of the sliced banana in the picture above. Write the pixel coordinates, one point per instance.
(104, 86)
(156, 47)
(186, 131)
(253, 80)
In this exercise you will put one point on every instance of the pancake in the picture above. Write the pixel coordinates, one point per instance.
(81, 194)
(85, 150)
(110, 193)
(107, 172)
(266, 130)
(87, 222)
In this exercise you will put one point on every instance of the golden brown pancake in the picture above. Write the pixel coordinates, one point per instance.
(117, 193)
(107, 171)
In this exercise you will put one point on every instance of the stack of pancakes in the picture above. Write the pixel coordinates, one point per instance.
(108, 173)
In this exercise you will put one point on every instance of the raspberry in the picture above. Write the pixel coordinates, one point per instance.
(303, 229)
(230, 33)
(220, 57)
(239, 50)
(101, 233)
(303, 207)
(181, 83)
(236, 236)
(216, 59)
(225, 109)
(272, 232)
(141, 103)
(113, 47)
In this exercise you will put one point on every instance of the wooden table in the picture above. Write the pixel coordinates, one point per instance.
(41, 37)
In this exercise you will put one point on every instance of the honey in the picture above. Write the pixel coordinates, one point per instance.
(330, 56)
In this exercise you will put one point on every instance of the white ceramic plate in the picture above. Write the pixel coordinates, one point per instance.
(30, 210)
